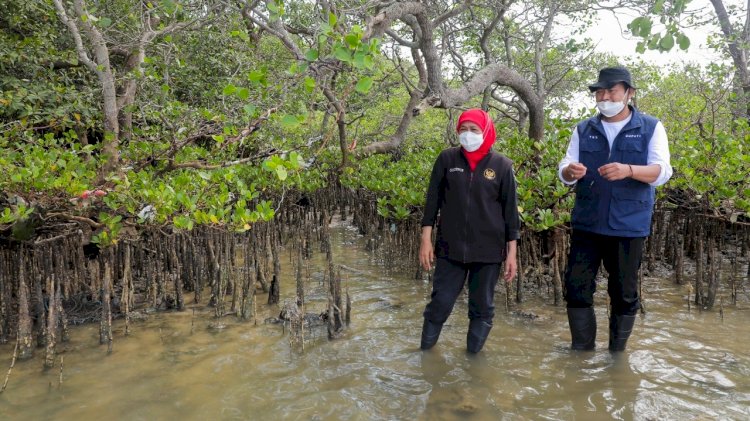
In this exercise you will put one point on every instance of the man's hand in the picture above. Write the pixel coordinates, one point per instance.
(574, 171)
(615, 171)
(426, 252)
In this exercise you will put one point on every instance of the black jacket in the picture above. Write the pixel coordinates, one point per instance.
(478, 210)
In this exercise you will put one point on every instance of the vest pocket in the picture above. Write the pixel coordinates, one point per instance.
(631, 151)
(591, 144)
(585, 208)
(630, 209)
(631, 144)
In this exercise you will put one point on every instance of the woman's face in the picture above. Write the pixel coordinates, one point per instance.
(468, 126)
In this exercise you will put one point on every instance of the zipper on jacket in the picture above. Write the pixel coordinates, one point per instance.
(466, 216)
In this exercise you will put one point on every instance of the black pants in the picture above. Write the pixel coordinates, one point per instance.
(448, 282)
(622, 259)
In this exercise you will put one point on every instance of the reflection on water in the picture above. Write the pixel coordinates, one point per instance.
(679, 365)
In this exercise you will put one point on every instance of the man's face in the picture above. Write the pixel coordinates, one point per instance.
(617, 93)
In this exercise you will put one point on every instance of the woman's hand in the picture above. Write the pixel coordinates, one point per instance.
(511, 262)
(426, 252)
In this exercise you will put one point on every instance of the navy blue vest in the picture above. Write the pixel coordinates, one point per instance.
(621, 208)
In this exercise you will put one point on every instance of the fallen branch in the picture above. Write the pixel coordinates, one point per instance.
(12, 364)
(53, 239)
(251, 128)
(172, 152)
(60, 382)
(83, 219)
(203, 166)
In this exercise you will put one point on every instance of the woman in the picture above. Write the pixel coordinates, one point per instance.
(474, 191)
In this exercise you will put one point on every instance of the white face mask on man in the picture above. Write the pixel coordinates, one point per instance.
(609, 108)
(470, 141)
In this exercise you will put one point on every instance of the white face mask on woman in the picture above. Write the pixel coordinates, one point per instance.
(470, 141)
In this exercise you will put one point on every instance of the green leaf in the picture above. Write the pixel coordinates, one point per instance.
(369, 62)
(183, 222)
(666, 43)
(342, 54)
(243, 94)
(281, 173)
(364, 85)
(683, 41)
(359, 60)
(641, 26)
(374, 45)
(169, 6)
(658, 6)
(294, 68)
(309, 84)
(229, 89)
(352, 40)
(289, 122)
(257, 76)
(105, 22)
(332, 19)
(295, 160)
(679, 6)
(653, 42)
(311, 55)
(249, 109)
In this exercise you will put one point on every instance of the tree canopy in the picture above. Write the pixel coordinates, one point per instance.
(209, 112)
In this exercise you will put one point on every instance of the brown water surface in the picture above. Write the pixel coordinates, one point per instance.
(679, 365)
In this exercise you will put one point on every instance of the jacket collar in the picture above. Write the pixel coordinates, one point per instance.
(481, 162)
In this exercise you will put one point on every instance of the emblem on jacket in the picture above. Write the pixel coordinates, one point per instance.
(489, 174)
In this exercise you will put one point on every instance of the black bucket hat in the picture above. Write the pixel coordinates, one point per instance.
(610, 76)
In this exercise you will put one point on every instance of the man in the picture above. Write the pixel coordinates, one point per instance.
(615, 160)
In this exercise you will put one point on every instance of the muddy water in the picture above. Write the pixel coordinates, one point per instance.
(680, 364)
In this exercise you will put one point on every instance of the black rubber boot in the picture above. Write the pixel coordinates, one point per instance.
(430, 334)
(477, 335)
(582, 323)
(620, 327)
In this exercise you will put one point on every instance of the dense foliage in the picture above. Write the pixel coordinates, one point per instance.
(225, 118)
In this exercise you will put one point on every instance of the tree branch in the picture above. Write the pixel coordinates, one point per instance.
(414, 97)
(411, 44)
(502, 75)
(76, 34)
(451, 13)
(340, 122)
(383, 20)
(729, 36)
(277, 29)
(487, 32)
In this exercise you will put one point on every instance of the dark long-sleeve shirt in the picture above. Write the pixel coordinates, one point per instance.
(478, 210)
